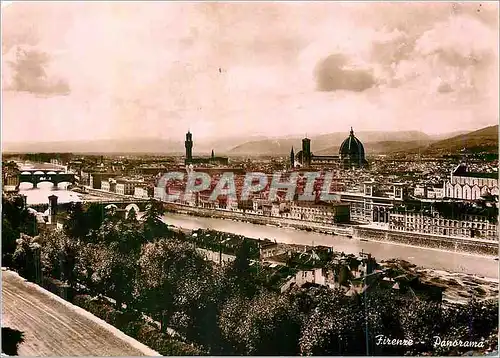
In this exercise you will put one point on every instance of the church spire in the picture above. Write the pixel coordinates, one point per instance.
(352, 132)
(292, 158)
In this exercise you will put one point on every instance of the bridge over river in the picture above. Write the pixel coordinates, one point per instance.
(36, 175)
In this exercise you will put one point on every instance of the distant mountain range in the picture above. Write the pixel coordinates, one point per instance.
(482, 140)
(375, 142)
(379, 143)
(132, 145)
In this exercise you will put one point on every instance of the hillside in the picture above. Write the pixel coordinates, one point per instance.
(383, 147)
(482, 140)
(377, 142)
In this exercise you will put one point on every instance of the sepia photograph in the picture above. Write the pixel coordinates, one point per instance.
(255, 178)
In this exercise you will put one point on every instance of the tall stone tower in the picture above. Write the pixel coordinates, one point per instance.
(52, 209)
(292, 159)
(306, 152)
(189, 147)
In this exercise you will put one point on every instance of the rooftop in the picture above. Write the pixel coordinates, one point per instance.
(462, 171)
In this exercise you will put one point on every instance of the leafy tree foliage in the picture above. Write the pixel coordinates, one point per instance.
(169, 274)
(269, 324)
(114, 273)
(240, 274)
(226, 309)
(76, 225)
(59, 256)
(132, 215)
(26, 258)
(95, 216)
(126, 234)
(16, 219)
(154, 227)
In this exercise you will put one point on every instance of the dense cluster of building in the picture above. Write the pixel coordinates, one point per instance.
(395, 194)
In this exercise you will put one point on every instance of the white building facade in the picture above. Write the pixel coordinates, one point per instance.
(467, 185)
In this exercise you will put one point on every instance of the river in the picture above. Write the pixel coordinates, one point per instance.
(41, 194)
(424, 257)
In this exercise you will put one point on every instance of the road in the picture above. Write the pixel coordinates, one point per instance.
(53, 327)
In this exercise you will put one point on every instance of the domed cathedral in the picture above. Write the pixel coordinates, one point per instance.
(352, 152)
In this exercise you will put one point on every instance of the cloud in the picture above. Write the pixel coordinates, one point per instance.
(333, 74)
(285, 67)
(29, 74)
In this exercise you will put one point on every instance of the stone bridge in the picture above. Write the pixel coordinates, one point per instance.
(122, 206)
(137, 205)
(54, 176)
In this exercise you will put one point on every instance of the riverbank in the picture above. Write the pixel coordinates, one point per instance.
(457, 287)
(427, 258)
(476, 247)
(340, 229)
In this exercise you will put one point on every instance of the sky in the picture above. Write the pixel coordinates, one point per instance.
(97, 70)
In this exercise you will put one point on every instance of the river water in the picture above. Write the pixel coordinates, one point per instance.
(427, 258)
(41, 194)
(424, 257)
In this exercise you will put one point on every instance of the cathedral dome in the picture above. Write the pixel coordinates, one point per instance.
(352, 148)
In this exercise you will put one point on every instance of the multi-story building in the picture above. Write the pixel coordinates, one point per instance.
(127, 186)
(470, 223)
(318, 212)
(141, 192)
(428, 192)
(467, 185)
(109, 185)
(96, 179)
(372, 205)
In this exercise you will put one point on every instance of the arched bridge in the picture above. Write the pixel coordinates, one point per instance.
(54, 176)
(139, 205)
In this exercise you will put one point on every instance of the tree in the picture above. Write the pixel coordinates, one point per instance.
(154, 227)
(473, 321)
(132, 215)
(9, 242)
(76, 226)
(345, 276)
(421, 321)
(59, 256)
(334, 326)
(125, 233)
(16, 219)
(95, 216)
(169, 272)
(239, 271)
(26, 258)
(87, 261)
(269, 324)
(114, 273)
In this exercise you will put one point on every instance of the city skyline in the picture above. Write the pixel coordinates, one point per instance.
(83, 71)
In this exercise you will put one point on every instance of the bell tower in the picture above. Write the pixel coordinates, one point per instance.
(306, 152)
(188, 144)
